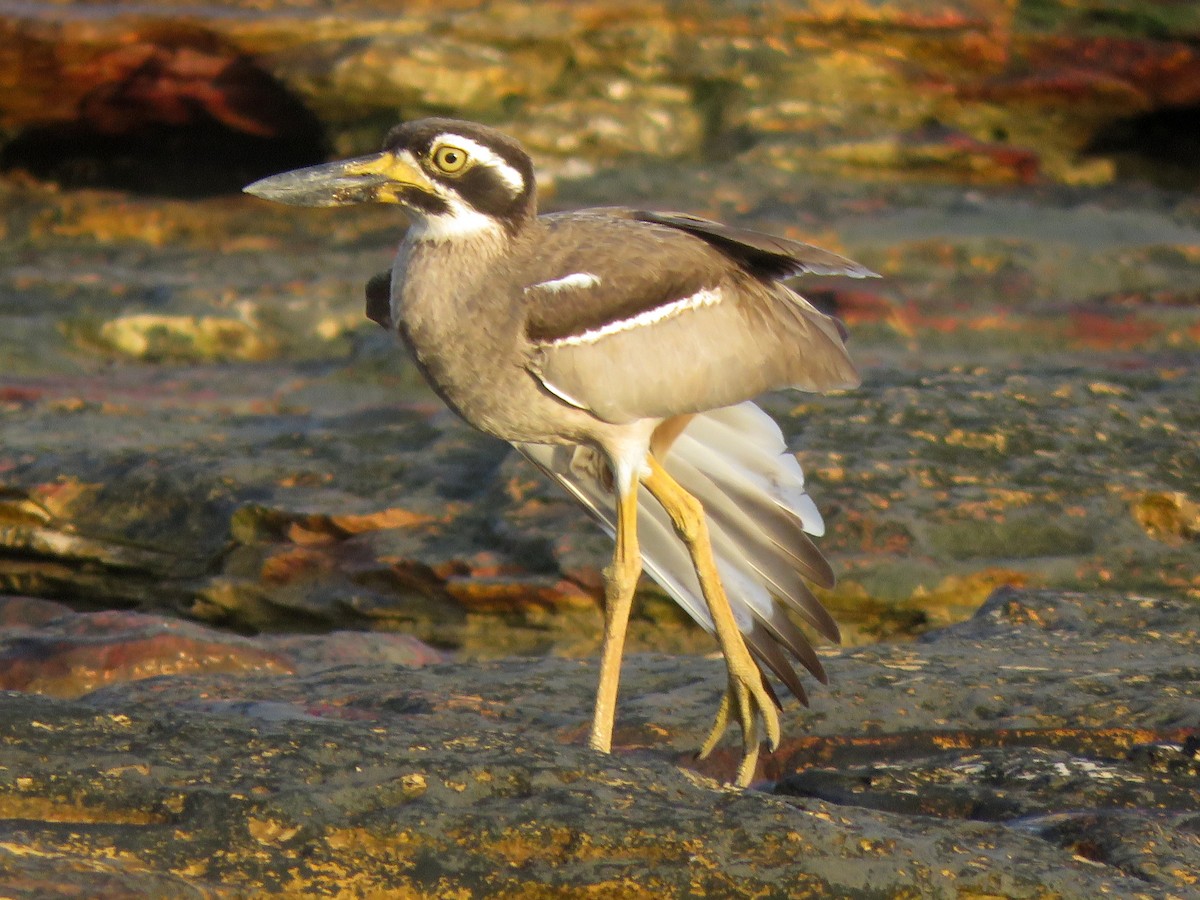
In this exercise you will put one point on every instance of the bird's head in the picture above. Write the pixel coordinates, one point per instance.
(456, 178)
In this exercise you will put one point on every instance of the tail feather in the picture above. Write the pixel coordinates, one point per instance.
(751, 441)
(663, 554)
(755, 609)
(734, 461)
(764, 648)
(701, 470)
(786, 634)
(780, 553)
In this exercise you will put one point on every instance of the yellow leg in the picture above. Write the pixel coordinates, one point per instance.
(620, 582)
(746, 698)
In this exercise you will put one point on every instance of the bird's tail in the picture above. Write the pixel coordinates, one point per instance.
(734, 461)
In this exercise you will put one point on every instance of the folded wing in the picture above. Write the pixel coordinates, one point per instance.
(672, 324)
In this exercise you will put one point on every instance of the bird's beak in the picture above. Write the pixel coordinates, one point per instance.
(379, 178)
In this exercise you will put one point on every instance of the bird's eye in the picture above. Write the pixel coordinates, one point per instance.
(449, 159)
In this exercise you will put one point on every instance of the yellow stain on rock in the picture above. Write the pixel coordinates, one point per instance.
(977, 440)
(1172, 518)
(48, 501)
(392, 517)
(956, 597)
(48, 809)
(271, 831)
(413, 785)
(154, 336)
(117, 222)
(866, 618)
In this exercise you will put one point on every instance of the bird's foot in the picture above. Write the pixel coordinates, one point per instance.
(746, 700)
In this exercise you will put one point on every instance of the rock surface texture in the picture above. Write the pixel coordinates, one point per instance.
(1017, 754)
(272, 622)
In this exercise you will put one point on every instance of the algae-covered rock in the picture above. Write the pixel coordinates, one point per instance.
(184, 338)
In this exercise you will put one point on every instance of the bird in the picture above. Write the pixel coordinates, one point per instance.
(621, 350)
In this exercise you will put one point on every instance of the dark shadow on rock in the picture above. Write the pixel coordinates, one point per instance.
(1160, 146)
(175, 113)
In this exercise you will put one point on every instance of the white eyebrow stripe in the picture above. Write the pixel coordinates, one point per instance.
(485, 156)
(703, 297)
(566, 283)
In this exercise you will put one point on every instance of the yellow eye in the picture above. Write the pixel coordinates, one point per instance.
(449, 159)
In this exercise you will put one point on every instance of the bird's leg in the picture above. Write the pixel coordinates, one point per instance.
(620, 581)
(747, 696)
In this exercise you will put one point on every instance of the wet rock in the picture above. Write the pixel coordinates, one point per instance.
(150, 103)
(627, 119)
(936, 148)
(326, 487)
(934, 767)
(423, 71)
(48, 649)
(196, 541)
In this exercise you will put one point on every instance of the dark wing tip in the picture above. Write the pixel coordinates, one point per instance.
(766, 255)
(768, 653)
(843, 331)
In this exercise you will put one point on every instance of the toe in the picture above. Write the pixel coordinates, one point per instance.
(719, 727)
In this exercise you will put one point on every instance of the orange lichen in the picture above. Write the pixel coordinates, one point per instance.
(509, 594)
(49, 809)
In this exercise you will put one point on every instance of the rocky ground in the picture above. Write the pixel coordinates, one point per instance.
(1044, 748)
(272, 621)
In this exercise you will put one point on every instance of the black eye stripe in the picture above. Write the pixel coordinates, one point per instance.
(498, 181)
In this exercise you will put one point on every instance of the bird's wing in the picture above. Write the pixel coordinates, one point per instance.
(379, 299)
(633, 319)
(592, 268)
(734, 461)
(765, 255)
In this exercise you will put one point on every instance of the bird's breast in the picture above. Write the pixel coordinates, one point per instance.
(465, 332)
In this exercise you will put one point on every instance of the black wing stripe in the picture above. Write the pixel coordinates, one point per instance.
(765, 255)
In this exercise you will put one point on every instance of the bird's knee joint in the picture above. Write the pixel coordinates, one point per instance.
(624, 570)
(689, 520)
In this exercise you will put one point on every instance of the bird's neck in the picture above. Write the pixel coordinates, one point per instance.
(435, 282)
(446, 313)
(450, 256)
(445, 267)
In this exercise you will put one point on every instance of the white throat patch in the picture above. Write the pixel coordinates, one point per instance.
(460, 222)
